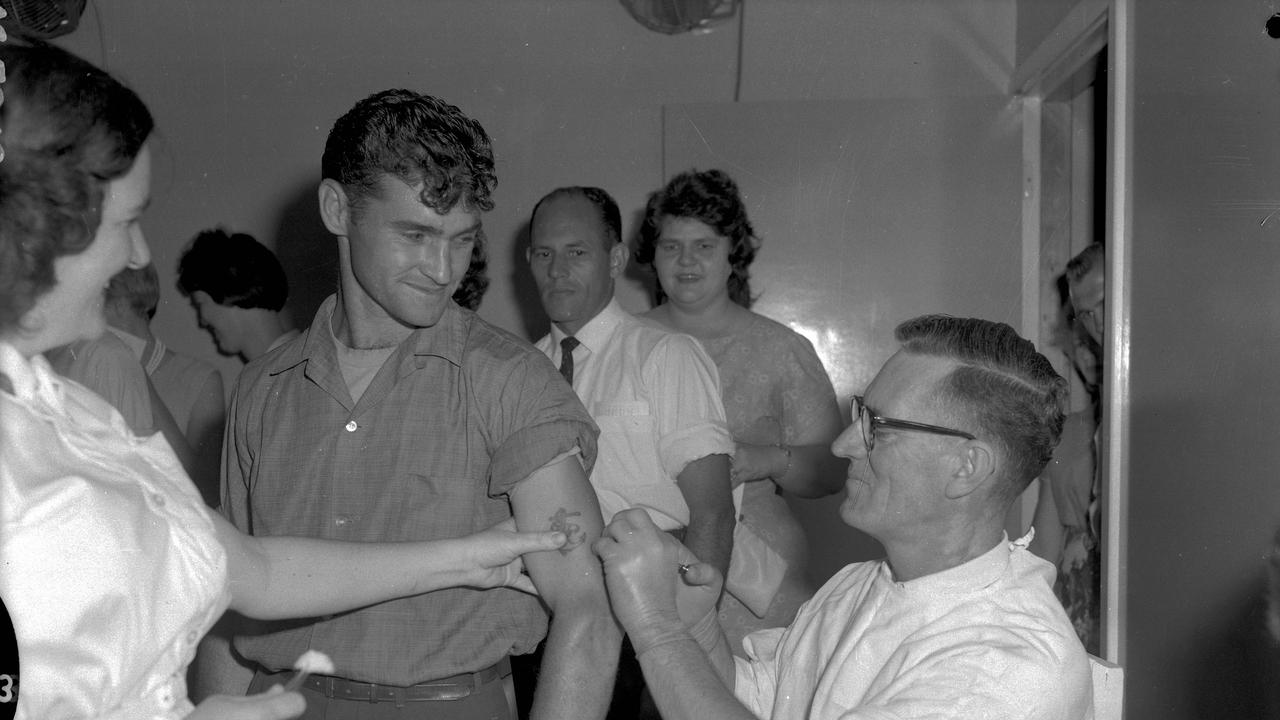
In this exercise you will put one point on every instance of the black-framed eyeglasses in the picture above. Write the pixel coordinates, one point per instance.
(871, 422)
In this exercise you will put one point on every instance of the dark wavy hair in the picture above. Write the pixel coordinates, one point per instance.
(712, 197)
(418, 139)
(1002, 387)
(474, 284)
(67, 129)
(234, 269)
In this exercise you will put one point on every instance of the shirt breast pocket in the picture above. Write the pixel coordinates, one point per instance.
(627, 409)
(628, 445)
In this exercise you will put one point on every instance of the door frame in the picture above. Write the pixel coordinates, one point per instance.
(1088, 28)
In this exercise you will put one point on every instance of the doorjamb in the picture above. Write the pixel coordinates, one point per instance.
(1088, 28)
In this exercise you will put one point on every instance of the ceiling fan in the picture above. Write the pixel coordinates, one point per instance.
(41, 19)
(680, 16)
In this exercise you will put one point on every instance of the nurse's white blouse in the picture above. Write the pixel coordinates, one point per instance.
(109, 564)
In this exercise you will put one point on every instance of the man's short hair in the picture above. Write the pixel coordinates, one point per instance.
(1089, 258)
(136, 288)
(233, 269)
(605, 205)
(416, 138)
(1006, 389)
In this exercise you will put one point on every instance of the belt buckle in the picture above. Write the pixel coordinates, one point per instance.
(451, 691)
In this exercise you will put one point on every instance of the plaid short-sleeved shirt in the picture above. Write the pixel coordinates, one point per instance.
(460, 413)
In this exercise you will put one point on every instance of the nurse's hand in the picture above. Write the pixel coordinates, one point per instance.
(274, 704)
(495, 555)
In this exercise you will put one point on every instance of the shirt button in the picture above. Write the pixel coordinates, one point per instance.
(158, 499)
(351, 426)
(165, 695)
(342, 520)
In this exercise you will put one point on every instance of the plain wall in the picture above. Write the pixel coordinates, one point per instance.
(1205, 325)
(1036, 22)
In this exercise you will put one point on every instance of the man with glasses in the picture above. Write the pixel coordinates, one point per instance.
(955, 622)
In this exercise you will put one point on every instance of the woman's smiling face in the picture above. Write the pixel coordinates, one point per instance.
(73, 309)
(691, 261)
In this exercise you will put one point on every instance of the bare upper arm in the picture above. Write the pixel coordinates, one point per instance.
(245, 563)
(559, 497)
(705, 484)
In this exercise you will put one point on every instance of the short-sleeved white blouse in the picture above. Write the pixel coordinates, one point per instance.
(109, 564)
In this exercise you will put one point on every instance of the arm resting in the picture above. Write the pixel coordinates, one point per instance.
(705, 485)
(286, 577)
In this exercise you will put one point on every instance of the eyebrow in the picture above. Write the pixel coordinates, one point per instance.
(432, 230)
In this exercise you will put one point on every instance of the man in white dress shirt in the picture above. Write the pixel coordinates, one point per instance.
(664, 445)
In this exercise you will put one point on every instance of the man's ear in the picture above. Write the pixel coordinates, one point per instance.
(974, 466)
(619, 254)
(335, 207)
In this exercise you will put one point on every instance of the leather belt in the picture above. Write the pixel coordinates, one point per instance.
(455, 687)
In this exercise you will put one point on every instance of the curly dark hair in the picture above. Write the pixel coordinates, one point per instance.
(67, 128)
(474, 284)
(1002, 386)
(234, 269)
(712, 197)
(419, 139)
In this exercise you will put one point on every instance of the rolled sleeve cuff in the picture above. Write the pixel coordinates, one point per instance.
(698, 441)
(531, 448)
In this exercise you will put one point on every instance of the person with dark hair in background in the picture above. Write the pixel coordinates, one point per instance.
(664, 444)
(111, 566)
(191, 389)
(781, 407)
(955, 622)
(398, 415)
(238, 289)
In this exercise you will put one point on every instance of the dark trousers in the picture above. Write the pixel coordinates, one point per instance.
(631, 698)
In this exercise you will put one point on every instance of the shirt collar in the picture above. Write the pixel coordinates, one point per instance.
(284, 338)
(137, 345)
(445, 339)
(975, 574)
(596, 333)
(31, 379)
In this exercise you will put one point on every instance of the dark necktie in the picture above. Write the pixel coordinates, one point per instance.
(566, 358)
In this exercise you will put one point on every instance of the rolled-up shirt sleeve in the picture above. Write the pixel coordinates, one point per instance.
(538, 419)
(685, 386)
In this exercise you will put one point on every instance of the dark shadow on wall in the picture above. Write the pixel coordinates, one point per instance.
(642, 274)
(1237, 673)
(309, 254)
(533, 321)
